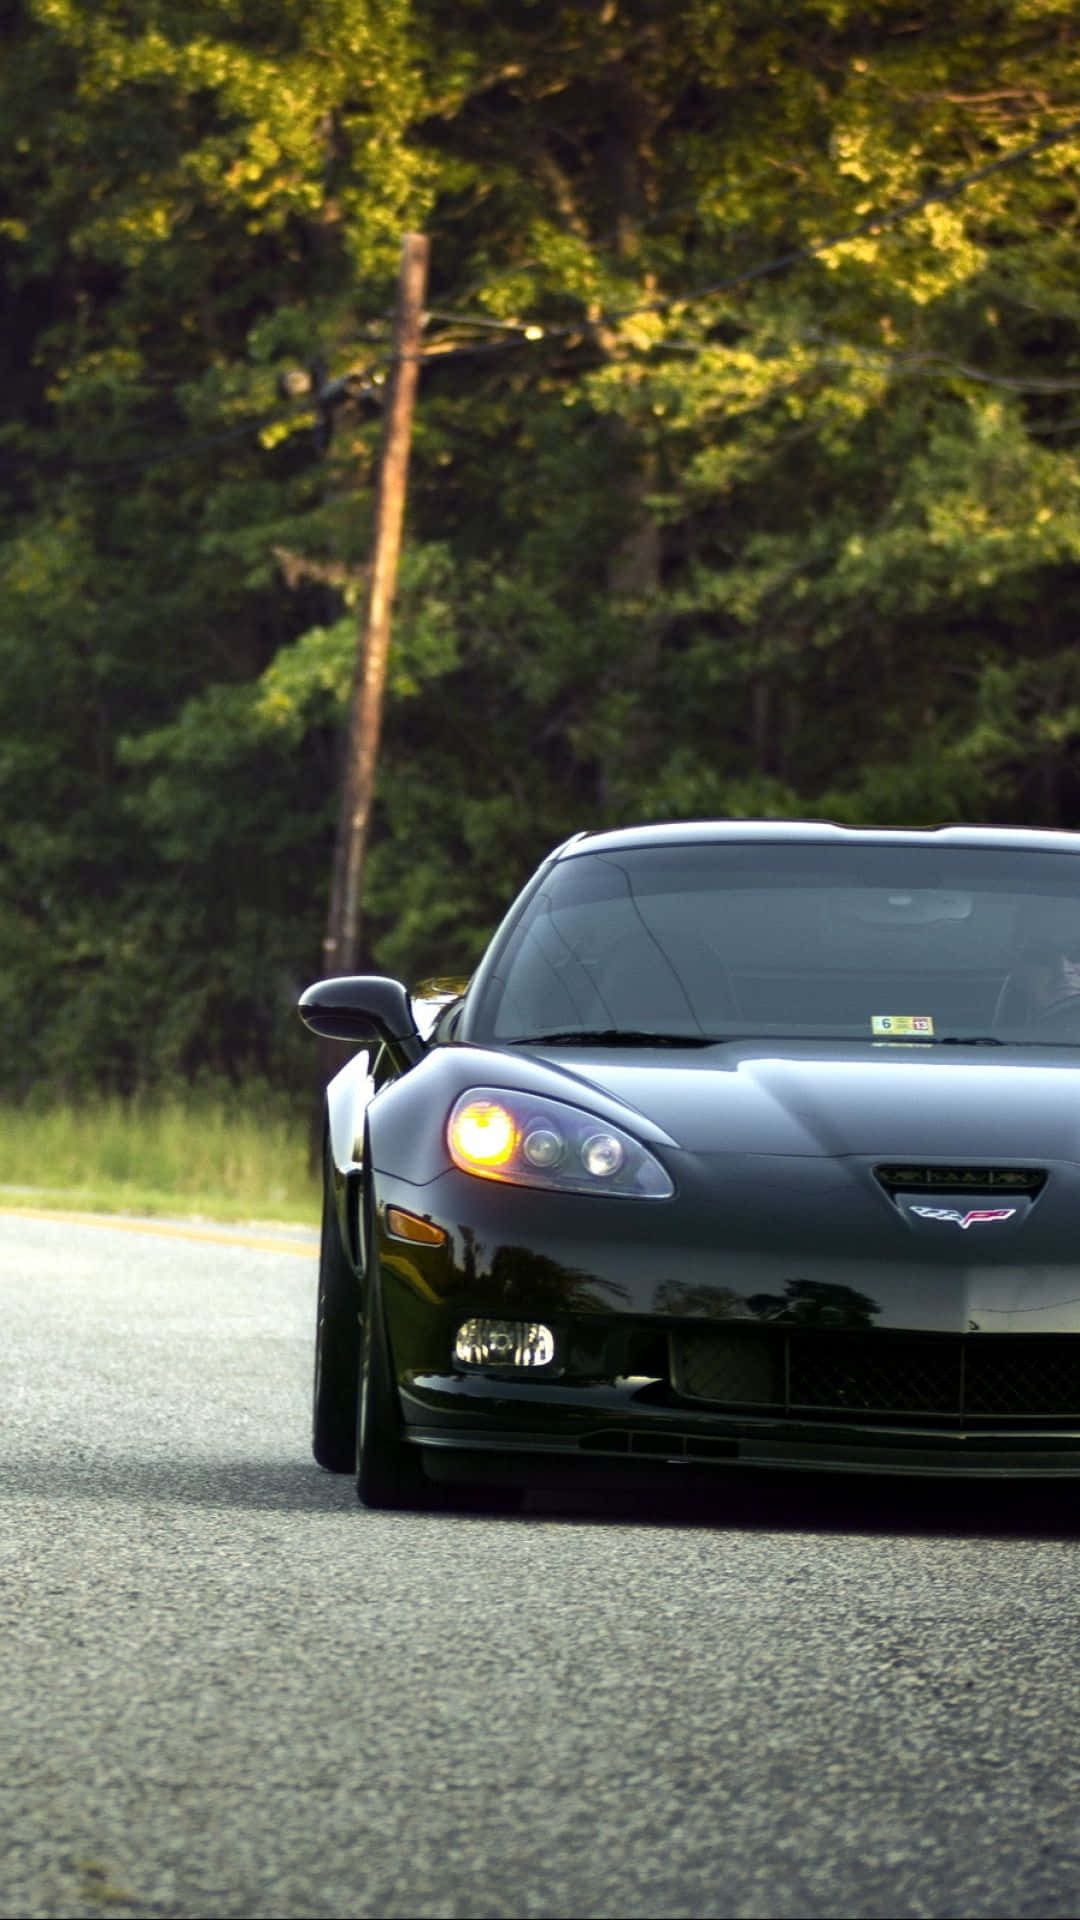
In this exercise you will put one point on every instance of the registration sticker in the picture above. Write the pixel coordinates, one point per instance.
(900, 1026)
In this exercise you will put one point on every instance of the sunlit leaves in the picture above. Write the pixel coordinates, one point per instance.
(773, 507)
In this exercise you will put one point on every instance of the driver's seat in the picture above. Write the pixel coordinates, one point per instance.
(1017, 1004)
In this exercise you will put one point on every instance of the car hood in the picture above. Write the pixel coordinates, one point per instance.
(777, 1097)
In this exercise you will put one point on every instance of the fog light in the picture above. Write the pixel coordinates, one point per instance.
(504, 1343)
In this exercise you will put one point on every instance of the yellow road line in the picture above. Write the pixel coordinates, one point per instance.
(163, 1232)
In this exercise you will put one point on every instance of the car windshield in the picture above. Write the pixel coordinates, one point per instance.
(901, 944)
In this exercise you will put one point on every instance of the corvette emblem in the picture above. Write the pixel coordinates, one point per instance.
(964, 1220)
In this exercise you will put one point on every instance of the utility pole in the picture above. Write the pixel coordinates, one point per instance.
(342, 940)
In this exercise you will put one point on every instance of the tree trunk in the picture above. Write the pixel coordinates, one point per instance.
(342, 942)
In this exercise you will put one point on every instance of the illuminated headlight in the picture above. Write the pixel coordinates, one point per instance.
(542, 1143)
(504, 1343)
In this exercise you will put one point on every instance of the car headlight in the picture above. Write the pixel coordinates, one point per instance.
(542, 1143)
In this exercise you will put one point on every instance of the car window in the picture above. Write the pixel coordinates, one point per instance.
(822, 940)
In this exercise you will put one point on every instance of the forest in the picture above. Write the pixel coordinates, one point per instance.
(745, 473)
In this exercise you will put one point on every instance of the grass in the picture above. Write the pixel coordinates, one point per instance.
(172, 1156)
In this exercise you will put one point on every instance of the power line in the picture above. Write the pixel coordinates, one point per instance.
(812, 249)
(874, 223)
(835, 353)
(516, 333)
(176, 450)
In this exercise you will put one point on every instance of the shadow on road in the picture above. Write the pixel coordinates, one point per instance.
(807, 1503)
(795, 1503)
(266, 1485)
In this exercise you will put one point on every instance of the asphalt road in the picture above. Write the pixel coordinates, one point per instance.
(226, 1689)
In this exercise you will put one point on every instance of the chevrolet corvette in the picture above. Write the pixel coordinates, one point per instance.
(747, 1145)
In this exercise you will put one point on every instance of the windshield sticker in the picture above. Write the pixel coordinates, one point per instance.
(899, 1025)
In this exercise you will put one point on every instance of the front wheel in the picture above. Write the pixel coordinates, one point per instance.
(337, 1350)
(388, 1470)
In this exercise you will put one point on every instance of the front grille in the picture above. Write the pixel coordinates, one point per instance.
(863, 1375)
(955, 1376)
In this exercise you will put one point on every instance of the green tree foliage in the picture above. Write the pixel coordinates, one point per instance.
(745, 476)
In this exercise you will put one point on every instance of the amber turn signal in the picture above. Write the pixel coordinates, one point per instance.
(409, 1226)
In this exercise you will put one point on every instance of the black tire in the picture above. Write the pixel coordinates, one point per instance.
(389, 1473)
(337, 1350)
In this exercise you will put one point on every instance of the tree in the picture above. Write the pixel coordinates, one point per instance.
(745, 472)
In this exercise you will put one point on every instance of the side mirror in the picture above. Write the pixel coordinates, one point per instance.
(364, 1007)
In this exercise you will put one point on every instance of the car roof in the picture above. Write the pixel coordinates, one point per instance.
(682, 833)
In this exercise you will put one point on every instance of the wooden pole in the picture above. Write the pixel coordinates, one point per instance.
(342, 942)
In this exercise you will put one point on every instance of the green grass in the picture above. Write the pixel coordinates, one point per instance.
(177, 1156)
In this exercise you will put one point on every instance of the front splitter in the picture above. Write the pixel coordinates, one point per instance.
(956, 1456)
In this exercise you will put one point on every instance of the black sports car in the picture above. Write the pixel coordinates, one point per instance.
(749, 1144)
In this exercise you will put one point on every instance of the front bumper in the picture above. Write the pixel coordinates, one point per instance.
(490, 1428)
(845, 1362)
